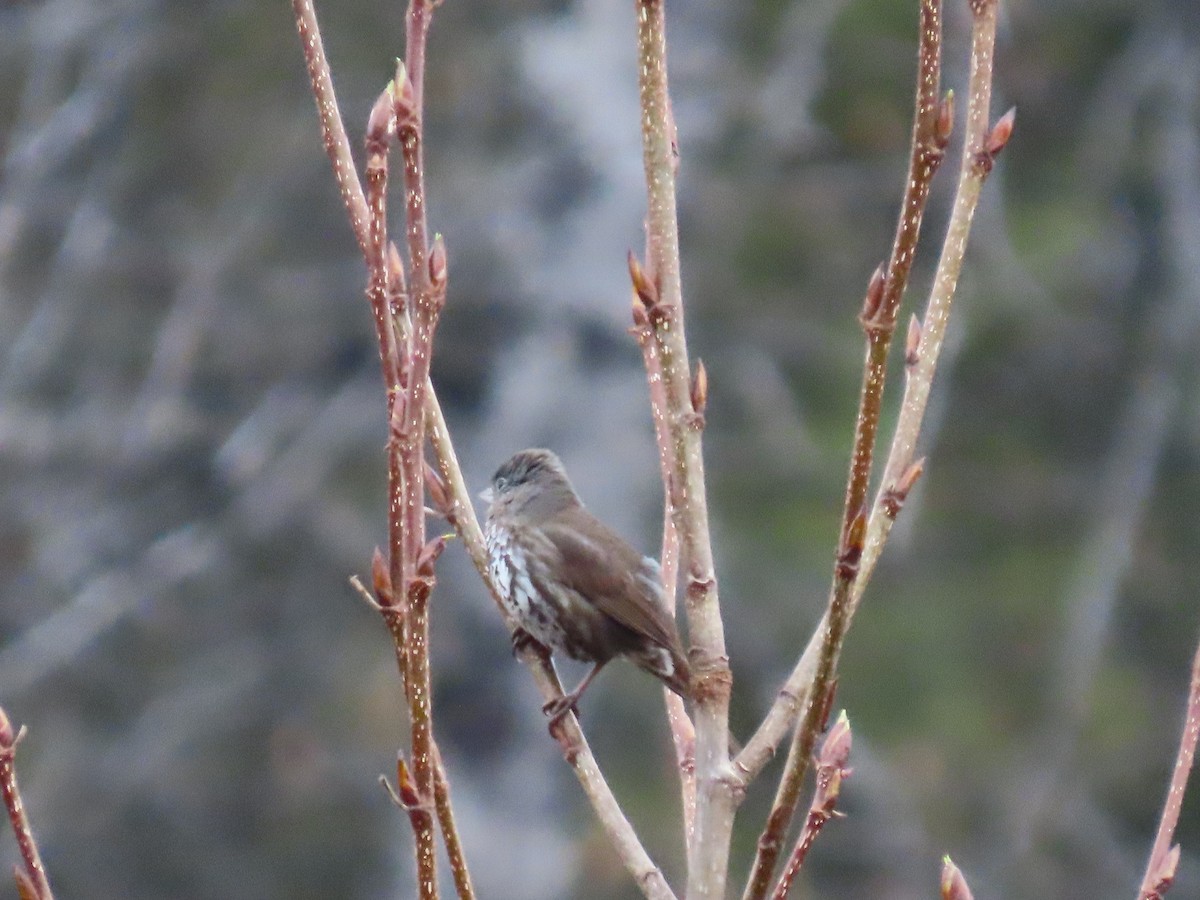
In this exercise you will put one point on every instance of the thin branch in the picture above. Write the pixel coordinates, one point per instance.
(408, 797)
(932, 121)
(1160, 868)
(787, 795)
(421, 714)
(708, 852)
(34, 875)
(413, 560)
(981, 146)
(333, 131)
(831, 772)
(454, 849)
(683, 732)
(404, 590)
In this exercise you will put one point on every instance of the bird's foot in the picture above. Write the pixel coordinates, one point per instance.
(569, 746)
(558, 708)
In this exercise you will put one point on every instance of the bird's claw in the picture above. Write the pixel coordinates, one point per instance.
(558, 708)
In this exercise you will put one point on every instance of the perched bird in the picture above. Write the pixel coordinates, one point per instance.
(573, 583)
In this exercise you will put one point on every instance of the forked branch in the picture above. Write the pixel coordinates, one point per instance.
(923, 344)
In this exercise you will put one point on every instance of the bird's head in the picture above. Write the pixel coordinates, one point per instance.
(530, 481)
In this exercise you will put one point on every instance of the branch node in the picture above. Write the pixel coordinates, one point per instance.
(366, 596)
(711, 677)
(893, 499)
(1164, 875)
(850, 552)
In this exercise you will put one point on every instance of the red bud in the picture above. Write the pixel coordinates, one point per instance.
(437, 262)
(381, 123)
(645, 289)
(395, 264)
(954, 885)
(26, 889)
(912, 342)
(700, 388)
(944, 124)
(998, 137)
(381, 578)
(835, 750)
(405, 97)
(874, 299)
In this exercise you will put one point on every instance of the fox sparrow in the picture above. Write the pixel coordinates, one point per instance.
(571, 582)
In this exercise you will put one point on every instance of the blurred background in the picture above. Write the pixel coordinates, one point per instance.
(192, 433)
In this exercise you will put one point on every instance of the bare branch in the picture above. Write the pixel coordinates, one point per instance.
(831, 772)
(337, 144)
(683, 732)
(1164, 858)
(662, 295)
(900, 469)
(33, 879)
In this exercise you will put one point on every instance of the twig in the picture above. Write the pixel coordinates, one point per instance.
(408, 797)
(708, 852)
(427, 270)
(932, 121)
(831, 772)
(1164, 858)
(981, 145)
(34, 876)
(930, 131)
(820, 699)
(333, 131)
(445, 812)
(404, 592)
(683, 732)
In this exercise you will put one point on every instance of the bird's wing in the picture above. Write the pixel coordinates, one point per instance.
(616, 578)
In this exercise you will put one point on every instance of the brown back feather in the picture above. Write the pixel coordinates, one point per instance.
(614, 587)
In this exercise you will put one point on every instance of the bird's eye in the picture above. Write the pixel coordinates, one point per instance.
(501, 482)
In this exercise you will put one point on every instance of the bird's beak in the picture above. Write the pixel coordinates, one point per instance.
(486, 495)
